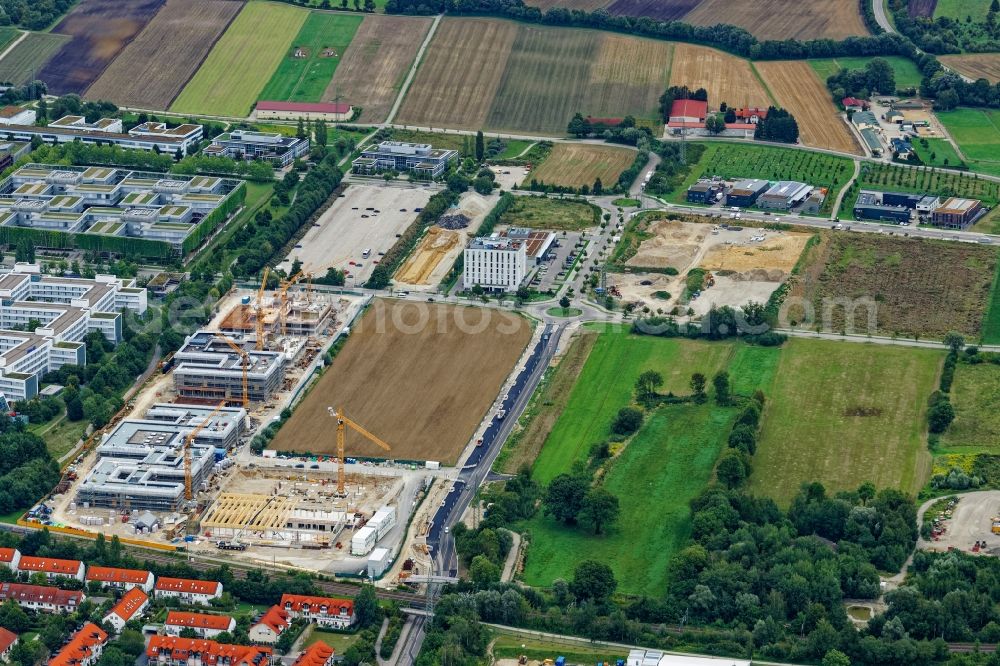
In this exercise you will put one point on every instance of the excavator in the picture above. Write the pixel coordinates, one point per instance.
(342, 423)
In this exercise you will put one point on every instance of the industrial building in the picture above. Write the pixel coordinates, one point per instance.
(746, 192)
(419, 159)
(66, 309)
(278, 149)
(114, 202)
(335, 112)
(148, 136)
(208, 369)
(883, 206)
(783, 195)
(494, 263)
(814, 202)
(536, 243)
(957, 213)
(704, 192)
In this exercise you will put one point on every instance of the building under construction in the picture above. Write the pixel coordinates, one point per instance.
(209, 369)
(296, 316)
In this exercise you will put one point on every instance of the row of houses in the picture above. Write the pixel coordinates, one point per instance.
(780, 195)
(902, 207)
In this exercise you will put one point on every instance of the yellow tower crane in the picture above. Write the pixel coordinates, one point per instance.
(285, 286)
(246, 367)
(188, 495)
(342, 423)
(259, 309)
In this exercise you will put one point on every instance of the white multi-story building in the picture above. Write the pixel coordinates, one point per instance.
(495, 263)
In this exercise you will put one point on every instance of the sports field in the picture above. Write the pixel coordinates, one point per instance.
(507, 76)
(726, 77)
(975, 65)
(906, 72)
(977, 133)
(230, 80)
(404, 375)
(182, 34)
(797, 88)
(576, 165)
(27, 58)
(375, 65)
(311, 60)
(975, 393)
(668, 462)
(783, 19)
(843, 414)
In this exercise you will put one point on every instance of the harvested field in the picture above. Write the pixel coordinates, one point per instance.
(181, 34)
(628, 77)
(777, 253)
(375, 64)
(975, 65)
(726, 77)
(912, 286)
(27, 58)
(798, 89)
(99, 30)
(663, 10)
(241, 63)
(576, 165)
(460, 74)
(586, 5)
(784, 19)
(404, 374)
(921, 8)
(433, 248)
(311, 60)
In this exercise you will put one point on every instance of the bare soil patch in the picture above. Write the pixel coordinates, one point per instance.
(784, 19)
(664, 10)
(419, 376)
(776, 253)
(671, 244)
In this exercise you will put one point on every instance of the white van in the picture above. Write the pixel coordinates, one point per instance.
(367, 253)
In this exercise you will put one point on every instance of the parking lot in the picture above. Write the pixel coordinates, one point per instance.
(547, 274)
(366, 217)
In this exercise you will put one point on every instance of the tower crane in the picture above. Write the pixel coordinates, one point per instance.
(246, 366)
(188, 495)
(285, 286)
(259, 309)
(342, 423)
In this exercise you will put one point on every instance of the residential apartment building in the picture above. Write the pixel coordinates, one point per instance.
(120, 579)
(205, 625)
(317, 654)
(52, 567)
(323, 611)
(176, 651)
(270, 626)
(9, 557)
(495, 264)
(42, 597)
(187, 590)
(8, 639)
(83, 649)
(131, 606)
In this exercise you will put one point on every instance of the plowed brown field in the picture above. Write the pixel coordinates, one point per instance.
(421, 377)
(726, 78)
(151, 71)
(975, 65)
(798, 89)
(376, 63)
(784, 19)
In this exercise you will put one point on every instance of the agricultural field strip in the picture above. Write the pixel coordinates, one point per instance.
(575, 165)
(24, 60)
(783, 19)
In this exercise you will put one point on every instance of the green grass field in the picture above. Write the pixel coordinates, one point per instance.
(961, 9)
(323, 39)
(235, 72)
(668, 462)
(338, 641)
(977, 133)
(812, 430)
(27, 58)
(8, 35)
(739, 160)
(936, 153)
(991, 321)
(975, 394)
(551, 214)
(59, 434)
(907, 74)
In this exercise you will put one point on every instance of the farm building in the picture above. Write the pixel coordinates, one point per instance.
(872, 142)
(746, 192)
(16, 115)
(854, 104)
(814, 202)
(956, 213)
(494, 263)
(328, 111)
(688, 111)
(275, 148)
(876, 206)
(783, 195)
(208, 369)
(109, 130)
(419, 159)
(864, 120)
(752, 115)
(704, 192)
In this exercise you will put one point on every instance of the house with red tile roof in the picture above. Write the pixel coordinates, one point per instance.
(42, 597)
(8, 639)
(317, 654)
(188, 590)
(270, 626)
(9, 557)
(132, 605)
(52, 567)
(176, 651)
(205, 625)
(83, 649)
(324, 611)
(121, 579)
